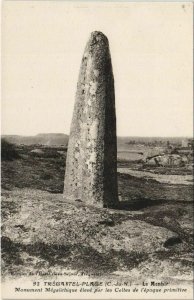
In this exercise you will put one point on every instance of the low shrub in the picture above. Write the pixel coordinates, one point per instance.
(8, 151)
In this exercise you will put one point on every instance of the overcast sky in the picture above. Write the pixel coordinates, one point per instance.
(151, 49)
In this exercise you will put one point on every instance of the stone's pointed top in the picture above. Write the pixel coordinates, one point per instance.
(98, 34)
(97, 37)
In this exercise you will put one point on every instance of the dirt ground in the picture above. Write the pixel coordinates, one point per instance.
(150, 235)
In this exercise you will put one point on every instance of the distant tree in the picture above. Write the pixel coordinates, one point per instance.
(131, 143)
(168, 145)
(8, 151)
(191, 143)
(175, 151)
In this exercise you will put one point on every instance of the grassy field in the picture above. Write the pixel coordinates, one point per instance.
(150, 235)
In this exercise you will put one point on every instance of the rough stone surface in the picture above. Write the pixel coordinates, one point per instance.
(91, 166)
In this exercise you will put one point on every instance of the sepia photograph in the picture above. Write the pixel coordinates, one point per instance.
(97, 150)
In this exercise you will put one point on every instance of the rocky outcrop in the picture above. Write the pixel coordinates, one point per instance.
(167, 160)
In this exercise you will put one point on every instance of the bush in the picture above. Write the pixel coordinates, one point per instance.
(8, 151)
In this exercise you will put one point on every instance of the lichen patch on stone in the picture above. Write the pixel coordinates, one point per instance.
(96, 73)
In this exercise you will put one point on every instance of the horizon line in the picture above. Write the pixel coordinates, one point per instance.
(121, 136)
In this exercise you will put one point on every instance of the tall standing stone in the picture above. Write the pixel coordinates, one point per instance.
(91, 165)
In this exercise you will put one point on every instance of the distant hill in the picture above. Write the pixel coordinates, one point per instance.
(47, 139)
(58, 139)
